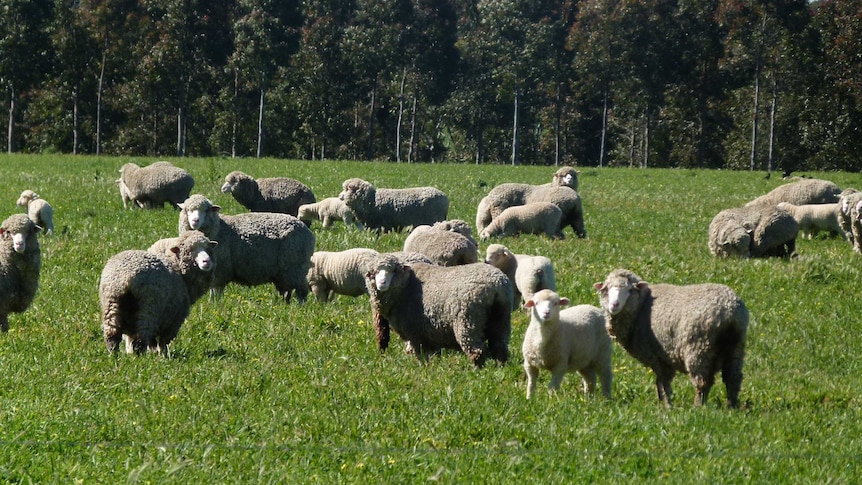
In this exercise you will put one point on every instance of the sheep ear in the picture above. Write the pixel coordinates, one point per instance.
(564, 301)
(179, 204)
(175, 250)
(215, 208)
(37, 228)
(213, 244)
(599, 286)
(529, 304)
(642, 285)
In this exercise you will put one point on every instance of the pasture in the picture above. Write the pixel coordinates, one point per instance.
(258, 391)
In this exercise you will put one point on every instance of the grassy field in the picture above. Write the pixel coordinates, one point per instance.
(258, 391)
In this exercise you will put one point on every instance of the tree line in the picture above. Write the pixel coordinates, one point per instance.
(738, 84)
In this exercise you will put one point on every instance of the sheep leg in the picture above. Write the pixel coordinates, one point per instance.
(606, 376)
(475, 349)
(110, 326)
(702, 385)
(557, 375)
(662, 385)
(731, 374)
(381, 329)
(532, 376)
(588, 375)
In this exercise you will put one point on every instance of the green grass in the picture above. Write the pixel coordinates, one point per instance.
(259, 391)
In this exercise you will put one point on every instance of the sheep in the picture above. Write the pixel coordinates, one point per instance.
(694, 329)
(467, 308)
(566, 177)
(20, 264)
(805, 191)
(165, 244)
(569, 203)
(327, 210)
(393, 209)
(753, 231)
(537, 218)
(276, 194)
(848, 199)
(38, 210)
(856, 225)
(574, 339)
(483, 213)
(460, 226)
(528, 273)
(508, 195)
(341, 272)
(446, 248)
(254, 248)
(813, 218)
(145, 298)
(151, 186)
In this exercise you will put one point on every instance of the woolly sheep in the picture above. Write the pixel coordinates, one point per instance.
(537, 218)
(528, 273)
(151, 186)
(569, 203)
(805, 191)
(254, 248)
(467, 308)
(446, 248)
(38, 210)
(695, 329)
(460, 226)
(566, 177)
(753, 231)
(341, 272)
(393, 209)
(571, 340)
(813, 218)
(159, 247)
(327, 210)
(848, 199)
(508, 195)
(275, 194)
(145, 298)
(20, 264)
(856, 225)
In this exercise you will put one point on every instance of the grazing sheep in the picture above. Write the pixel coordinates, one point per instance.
(431, 307)
(537, 218)
(341, 272)
(483, 214)
(393, 209)
(20, 262)
(446, 248)
(145, 298)
(508, 195)
(753, 231)
(38, 210)
(695, 329)
(151, 186)
(528, 273)
(460, 226)
(326, 211)
(849, 198)
(569, 203)
(254, 248)
(276, 194)
(571, 340)
(805, 191)
(813, 218)
(566, 177)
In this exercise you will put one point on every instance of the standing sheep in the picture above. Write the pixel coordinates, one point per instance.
(696, 329)
(537, 218)
(467, 308)
(753, 231)
(805, 191)
(341, 272)
(20, 264)
(856, 225)
(151, 186)
(849, 198)
(276, 194)
(571, 340)
(528, 273)
(38, 210)
(327, 210)
(254, 248)
(393, 209)
(145, 298)
(813, 218)
(446, 248)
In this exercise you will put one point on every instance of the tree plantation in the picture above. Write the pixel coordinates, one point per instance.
(737, 84)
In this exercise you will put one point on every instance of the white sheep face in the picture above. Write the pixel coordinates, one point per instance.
(545, 305)
(203, 260)
(19, 242)
(859, 210)
(567, 179)
(196, 219)
(383, 279)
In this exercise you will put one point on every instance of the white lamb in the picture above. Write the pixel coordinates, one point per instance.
(813, 218)
(574, 339)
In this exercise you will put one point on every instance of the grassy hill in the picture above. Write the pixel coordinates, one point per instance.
(259, 391)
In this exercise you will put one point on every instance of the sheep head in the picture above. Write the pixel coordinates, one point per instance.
(233, 180)
(196, 212)
(26, 197)
(194, 248)
(545, 306)
(18, 228)
(620, 288)
(355, 189)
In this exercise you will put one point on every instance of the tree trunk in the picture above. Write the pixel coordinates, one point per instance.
(400, 117)
(772, 109)
(233, 114)
(478, 145)
(11, 124)
(369, 153)
(412, 131)
(645, 158)
(558, 123)
(99, 91)
(180, 131)
(515, 128)
(75, 121)
(604, 128)
(754, 115)
(260, 115)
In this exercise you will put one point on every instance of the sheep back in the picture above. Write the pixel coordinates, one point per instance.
(569, 203)
(152, 186)
(467, 308)
(801, 192)
(446, 248)
(393, 209)
(19, 268)
(535, 218)
(274, 194)
(694, 329)
(341, 272)
(814, 218)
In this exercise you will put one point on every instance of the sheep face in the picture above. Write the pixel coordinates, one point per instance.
(16, 230)
(26, 197)
(545, 306)
(497, 254)
(197, 210)
(616, 290)
(232, 180)
(355, 190)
